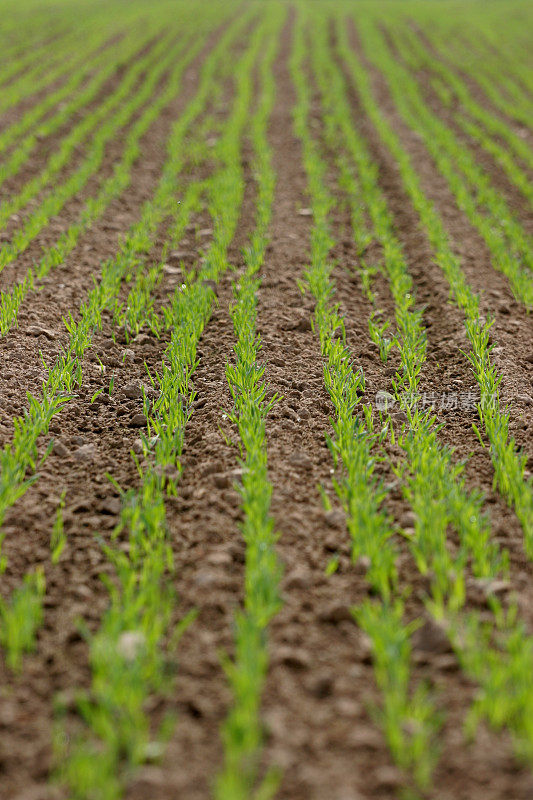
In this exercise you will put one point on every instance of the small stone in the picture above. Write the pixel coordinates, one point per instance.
(138, 447)
(334, 518)
(168, 269)
(219, 558)
(346, 707)
(87, 452)
(138, 421)
(489, 587)
(365, 738)
(130, 643)
(61, 450)
(305, 212)
(300, 460)
(128, 355)
(206, 578)
(132, 391)
(153, 751)
(362, 565)
(446, 663)
(364, 651)
(38, 330)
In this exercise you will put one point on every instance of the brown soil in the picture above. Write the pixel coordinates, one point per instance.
(320, 689)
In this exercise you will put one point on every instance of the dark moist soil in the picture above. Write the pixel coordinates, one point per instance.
(320, 686)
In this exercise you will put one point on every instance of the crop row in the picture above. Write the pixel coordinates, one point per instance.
(508, 462)
(487, 210)
(36, 123)
(53, 202)
(56, 64)
(431, 482)
(111, 188)
(504, 80)
(63, 377)
(142, 609)
(243, 728)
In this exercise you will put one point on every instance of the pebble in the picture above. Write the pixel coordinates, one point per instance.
(305, 212)
(301, 460)
(219, 558)
(138, 446)
(346, 707)
(87, 452)
(133, 391)
(130, 643)
(489, 586)
(138, 421)
(388, 777)
(128, 355)
(37, 330)
(61, 450)
(334, 518)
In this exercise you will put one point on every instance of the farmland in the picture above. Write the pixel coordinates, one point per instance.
(266, 431)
